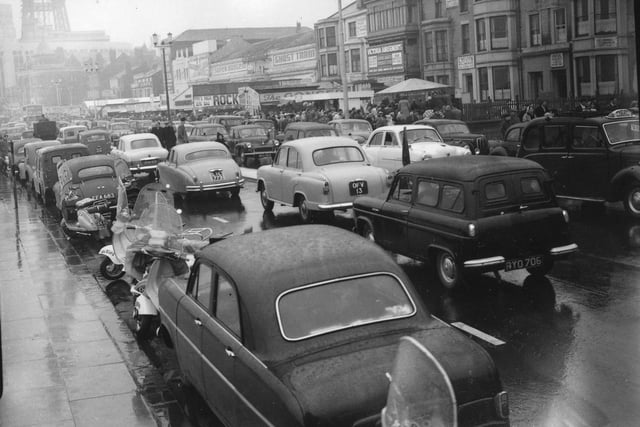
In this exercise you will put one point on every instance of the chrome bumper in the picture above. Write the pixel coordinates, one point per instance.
(500, 260)
(339, 206)
(562, 250)
(214, 187)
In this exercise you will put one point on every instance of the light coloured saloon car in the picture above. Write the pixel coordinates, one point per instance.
(384, 146)
(141, 151)
(319, 175)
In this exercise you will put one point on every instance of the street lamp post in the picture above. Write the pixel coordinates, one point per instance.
(163, 44)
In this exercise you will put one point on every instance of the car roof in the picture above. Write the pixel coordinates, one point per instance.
(468, 168)
(208, 125)
(437, 121)
(134, 136)
(247, 126)
(307, 125)
(183, 149)
(597, 120)
(90, 161)
(316, 142)
(62, 147)
(348, 121)
(73, 127)
(399, 128)
(294, 256)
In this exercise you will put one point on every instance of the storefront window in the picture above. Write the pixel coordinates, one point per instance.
(483, 83)
(332, 60)
(606, 72)
(501, 83)
(355, 61)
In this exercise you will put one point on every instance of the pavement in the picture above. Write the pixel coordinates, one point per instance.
(68, 359)
(249, 174)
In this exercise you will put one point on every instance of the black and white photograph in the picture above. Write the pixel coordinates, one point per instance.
(319, 213)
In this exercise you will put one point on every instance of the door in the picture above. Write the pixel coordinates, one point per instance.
(422, 218)
(549, 146)
(221, 341)
(373, 148)
(588, 163)
(392, 233)
(290, 174)
(191, 315)
(391, 153)
(273, 174)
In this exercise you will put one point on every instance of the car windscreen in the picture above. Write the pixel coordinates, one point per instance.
(621, 132)
(144, 143)
(348, 302)
(249, 132)
(451, 128)
(94, 171)
(120, 126)
(326, 156)
(320, 132)
(213, 130)
(206, 154)
(421, 135)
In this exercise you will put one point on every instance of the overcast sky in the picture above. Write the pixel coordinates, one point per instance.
(134, 21)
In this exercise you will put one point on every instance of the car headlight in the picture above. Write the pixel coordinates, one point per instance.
(248, 145)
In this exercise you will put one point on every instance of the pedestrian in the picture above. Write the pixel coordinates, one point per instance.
(541, 109)
(528, 113)
(156, 129)
(169, 135)
(506, 122)
(182, 137)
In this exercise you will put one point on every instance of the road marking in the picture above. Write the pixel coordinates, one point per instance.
(479, 334)
(222, 220)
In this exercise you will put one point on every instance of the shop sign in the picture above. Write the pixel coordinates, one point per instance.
(606, 42)
(466, 62)
(386, 58)
(556, 60)
(289, 58)
(223, 100)
(452, 3)
(229, 68)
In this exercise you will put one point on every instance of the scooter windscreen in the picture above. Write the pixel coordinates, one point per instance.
(420, 394)
(154, 218)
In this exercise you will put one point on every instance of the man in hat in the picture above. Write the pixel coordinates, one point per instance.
(183, 138)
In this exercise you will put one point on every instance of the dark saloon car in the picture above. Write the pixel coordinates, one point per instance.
(299, 130)
(208, 132)
(307, 336)
(589, 158)
(469, 214)
(251, 144)
(456, 132)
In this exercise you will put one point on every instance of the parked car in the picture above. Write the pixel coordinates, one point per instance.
(29, 165)
(228, 121)
(68, 134)
(384, 146)
(46, 171)
(89, 182)
(141, 151)
(307, 336)
(299, 130)
(208, 132)
(267, 124)
(456, 132)
(201, 168)
(17, 157)
(357, 129)
(98, 141)
(118, 129)
(589, 158)
(469, 214)
(318, 176)
(251, 144)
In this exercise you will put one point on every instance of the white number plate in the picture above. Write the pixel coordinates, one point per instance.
(520, 263)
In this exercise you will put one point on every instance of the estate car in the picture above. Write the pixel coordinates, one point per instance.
(469, 214)
(30, 150)
(46, 170)
(308, 335)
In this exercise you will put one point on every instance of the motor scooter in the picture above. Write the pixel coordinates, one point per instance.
(112, 266)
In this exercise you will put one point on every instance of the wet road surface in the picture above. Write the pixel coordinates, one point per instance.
(570, 342)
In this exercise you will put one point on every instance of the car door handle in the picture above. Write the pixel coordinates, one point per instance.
(229, 352)
(198, 322)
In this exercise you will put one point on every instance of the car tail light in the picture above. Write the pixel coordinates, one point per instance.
(325, 188)
(565, 214)
(501, 401)
(471, 230)
(195, 178)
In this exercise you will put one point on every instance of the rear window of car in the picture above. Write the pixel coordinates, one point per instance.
(144, 143)
(495, 191)
(205, 154)
(320, 132)
(95, 171)
(331, 155)
(513, 190)
(449, 128)
(343, 303)
(420, 135)
(249, 132)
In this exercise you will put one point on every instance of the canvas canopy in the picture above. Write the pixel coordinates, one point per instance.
(412, 85)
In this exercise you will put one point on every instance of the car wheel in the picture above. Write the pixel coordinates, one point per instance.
(110, 270)
(306, 215)
(543, 269)
(267, 204)
(632, 200)
(366, 231)
(144, 325)
(448, 270)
